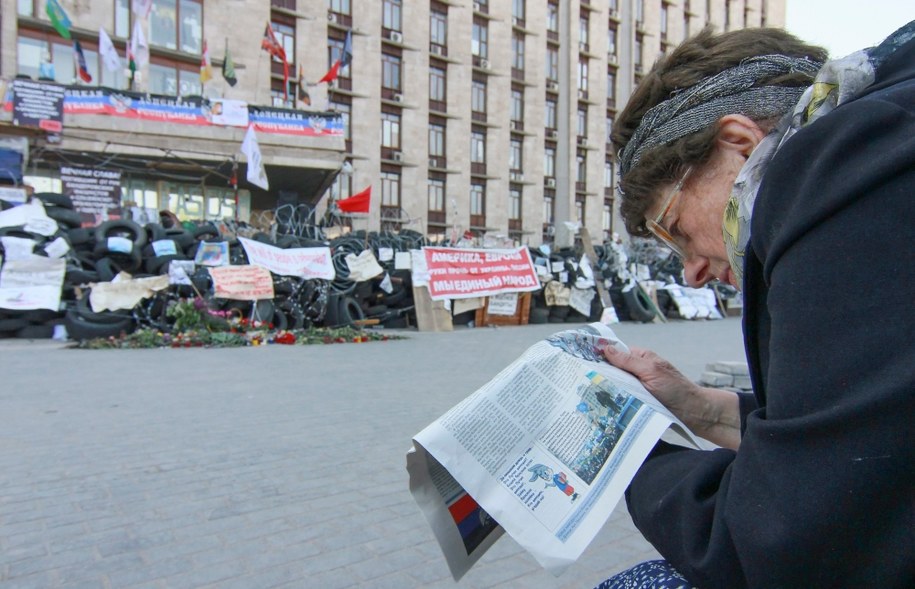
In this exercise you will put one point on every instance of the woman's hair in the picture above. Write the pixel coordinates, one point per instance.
(695, 60)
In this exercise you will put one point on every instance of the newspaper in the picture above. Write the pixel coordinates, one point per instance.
(544, 451)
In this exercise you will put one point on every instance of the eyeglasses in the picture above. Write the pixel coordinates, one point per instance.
(656, 225)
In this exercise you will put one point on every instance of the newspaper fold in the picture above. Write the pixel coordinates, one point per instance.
(544, 451)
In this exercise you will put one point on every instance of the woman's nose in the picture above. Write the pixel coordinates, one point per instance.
(696, 270)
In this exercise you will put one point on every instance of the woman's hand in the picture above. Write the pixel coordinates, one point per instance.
(713, 414)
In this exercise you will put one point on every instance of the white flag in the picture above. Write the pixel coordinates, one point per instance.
(141, 7)
(108, 52)
(256, 173)
(138, 46)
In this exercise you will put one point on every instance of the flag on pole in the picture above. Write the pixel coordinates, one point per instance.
(357, 203)
(138, 45)
(228, 67)
(344, 60)
(271, 45)
(206, 69)
(108, 52)
(257, 175)
(81, 67)
(59, 19)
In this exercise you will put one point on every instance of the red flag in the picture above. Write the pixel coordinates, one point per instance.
(357, 203)
(332, 73)
(272, 45)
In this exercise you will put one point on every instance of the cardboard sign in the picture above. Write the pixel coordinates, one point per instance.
(33, 283)
(503, 304)
(462, 273)
(242, 283)
(363, 267)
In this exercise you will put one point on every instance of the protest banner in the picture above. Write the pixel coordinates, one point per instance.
(38, 105)
(32, 283)
(302, 262)
(96, 193)
(242, 283)
(464, 273)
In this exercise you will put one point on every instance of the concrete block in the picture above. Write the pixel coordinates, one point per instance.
(716, 379)
(735, 368)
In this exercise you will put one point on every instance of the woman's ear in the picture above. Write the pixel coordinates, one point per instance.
(738, 133)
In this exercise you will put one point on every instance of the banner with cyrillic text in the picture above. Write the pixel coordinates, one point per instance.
(242, 283)
(464, 273)
(303, 262)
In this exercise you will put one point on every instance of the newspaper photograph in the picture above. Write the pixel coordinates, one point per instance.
(544, 451)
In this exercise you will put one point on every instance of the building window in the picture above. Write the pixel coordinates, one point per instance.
(168, 79)
(609, 128)
(390, 189)
(548, 208)
(582, 122)
(177, 25)
(478, 96)
(611, 40)
(45, 56)
(637, 54)
(390, 72)
(477, 199)
(515, 155)
(342, 187)
(639, 13)
(514, 204)
(518, 51)
(583, 74)
(549, 162)
(436, 192)
(552, 17)
(335, 53)
(121, 18)
(437, 85)
(479, 44)
(552, 64)
(390, 130)
(517, 105)
(611, 85)
(582, 168)
(518, 10)
(436, 140)
(580, 211)
(549, 111)
(285, 34)
(339, 6)
(392, 15)
(584, 32)
(607, 221)
(478, 147)
(663, 22)
(438, 28)
(609, 173)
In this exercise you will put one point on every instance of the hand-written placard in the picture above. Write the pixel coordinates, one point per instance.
(462, 273)
(303, 262)
(242, 283)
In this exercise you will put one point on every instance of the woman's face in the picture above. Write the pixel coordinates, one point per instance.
(694, 218)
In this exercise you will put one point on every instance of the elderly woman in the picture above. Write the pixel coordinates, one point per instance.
(795, 181)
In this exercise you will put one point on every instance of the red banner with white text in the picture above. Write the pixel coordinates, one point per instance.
(465, 273)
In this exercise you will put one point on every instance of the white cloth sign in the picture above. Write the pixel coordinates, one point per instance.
(257, 175)
(125, 293)
(57, 248)
(17, 248)
(303, 262)
(580, 300)
(179, 272)
(363, 267)
(232, 113)
(33, 283)
(108, 52)
(503, 304)
(165, 247)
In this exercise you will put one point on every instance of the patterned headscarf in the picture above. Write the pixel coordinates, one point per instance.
(838, 81)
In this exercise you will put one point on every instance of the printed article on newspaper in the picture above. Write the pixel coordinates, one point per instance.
(544, 451)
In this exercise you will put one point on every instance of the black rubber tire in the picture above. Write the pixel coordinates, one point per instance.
(159, 264)
(396, 323)
(376, 310)
(84, 310)
(79, 236)
(12, 324)
(560, 311)
(64, 216)
(263, 311)
(80, 329)
(280, 321)
(40, 315)
(108, 268)
(349, 312)
(393, 298)
(55, 198)
(154, 232)
(539, 315)
(77, 276)
(121, 228)
(36, 332)
(183, 238)
(638, 305)
(206, 232)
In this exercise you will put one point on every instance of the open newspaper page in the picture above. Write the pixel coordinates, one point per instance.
(543, 451)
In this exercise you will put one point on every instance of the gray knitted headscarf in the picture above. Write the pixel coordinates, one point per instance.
(734, 90)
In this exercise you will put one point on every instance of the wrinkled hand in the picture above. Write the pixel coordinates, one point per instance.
(713, 414)
(659, 376)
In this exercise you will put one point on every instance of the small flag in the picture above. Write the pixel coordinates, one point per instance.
(331, 74)
(206, 70)
(271, 45)
(357, 203)
(347, 57)
(81, 67)
(228, 67)
(138, 45)
(131, 65)
(256, 173)
(108, 52)
(59, 19)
